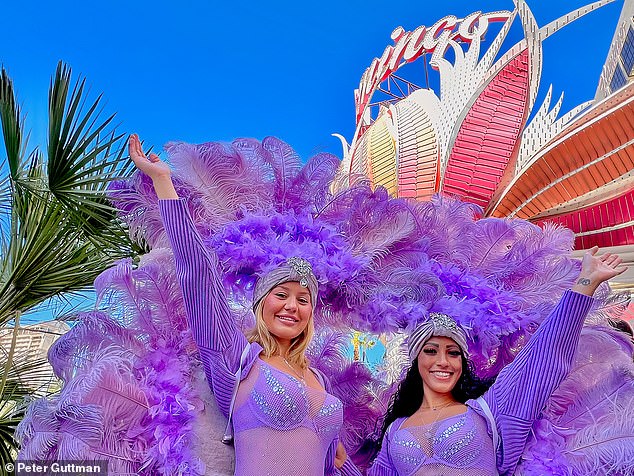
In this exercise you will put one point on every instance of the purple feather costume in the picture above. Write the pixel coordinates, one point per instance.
(133, 386)
(463, 444)
(281, 426)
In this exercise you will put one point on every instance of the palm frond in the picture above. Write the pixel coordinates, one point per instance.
(84, 155)
(58, 230)
(62, 230)
(12, 126)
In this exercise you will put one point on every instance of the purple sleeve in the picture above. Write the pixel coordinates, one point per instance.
(382, 465)
(349, 469)
(522, 388)
(219, 341)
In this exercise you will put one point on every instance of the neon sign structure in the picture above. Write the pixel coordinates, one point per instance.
(410, 45)
(473, 139)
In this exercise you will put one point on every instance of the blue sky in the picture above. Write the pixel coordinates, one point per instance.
(205, 70)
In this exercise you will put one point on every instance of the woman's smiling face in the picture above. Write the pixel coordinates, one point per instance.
(287, 310)
(440, 365)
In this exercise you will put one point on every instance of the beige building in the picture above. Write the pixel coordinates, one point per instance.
(32, 343)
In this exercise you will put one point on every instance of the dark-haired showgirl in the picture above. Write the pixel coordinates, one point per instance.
(436, 423)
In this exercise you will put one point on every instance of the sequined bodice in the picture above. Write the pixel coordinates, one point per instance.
(282, 427)
(458, 445)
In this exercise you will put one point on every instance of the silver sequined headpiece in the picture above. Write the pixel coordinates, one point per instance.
(295, 269)
(302, 268)
(437, 324)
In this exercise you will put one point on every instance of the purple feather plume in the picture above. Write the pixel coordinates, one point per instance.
(588, 425)
(382, 263)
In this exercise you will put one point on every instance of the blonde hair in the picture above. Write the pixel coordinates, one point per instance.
(297, 350)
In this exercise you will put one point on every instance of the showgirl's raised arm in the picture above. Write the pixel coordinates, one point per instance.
(520, 392)
(219, 341)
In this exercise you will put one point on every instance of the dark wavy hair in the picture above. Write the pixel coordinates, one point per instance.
(409, 397)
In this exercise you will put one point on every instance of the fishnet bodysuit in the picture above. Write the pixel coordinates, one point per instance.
(514, 402)
(456, 446)
(282, 426)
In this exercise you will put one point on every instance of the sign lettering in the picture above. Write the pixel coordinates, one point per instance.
(410, 45)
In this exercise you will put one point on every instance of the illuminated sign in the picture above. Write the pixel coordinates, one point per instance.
(409, 45)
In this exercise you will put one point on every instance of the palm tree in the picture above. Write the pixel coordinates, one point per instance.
(57, 229)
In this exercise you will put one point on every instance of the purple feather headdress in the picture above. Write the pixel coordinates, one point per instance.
(383, 264)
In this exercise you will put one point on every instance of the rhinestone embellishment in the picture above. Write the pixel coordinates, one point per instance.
(331, 408)
(458, 446)
(302, 268)
(285, 413)
(451, 430)
(443, 320)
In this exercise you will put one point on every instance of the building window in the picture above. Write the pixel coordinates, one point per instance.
(627, 53)
(618, 79)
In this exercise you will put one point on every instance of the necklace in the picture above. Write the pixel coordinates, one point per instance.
(430, 431)
(435, 409)
(295, 372)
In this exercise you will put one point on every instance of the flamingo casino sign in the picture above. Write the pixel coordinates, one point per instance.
(410, 45)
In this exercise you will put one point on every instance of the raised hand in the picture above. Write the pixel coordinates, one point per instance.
(595, 269)
(154, 167)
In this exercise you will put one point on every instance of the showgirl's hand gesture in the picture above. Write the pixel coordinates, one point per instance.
(153, 167)
(596, 269)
